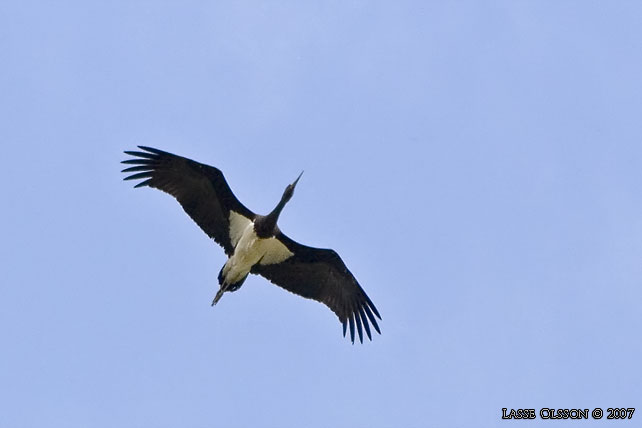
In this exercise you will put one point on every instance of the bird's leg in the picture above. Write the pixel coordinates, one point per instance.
(227, 287)
(219, 295)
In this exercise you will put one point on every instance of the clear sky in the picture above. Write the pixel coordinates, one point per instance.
(477, 165)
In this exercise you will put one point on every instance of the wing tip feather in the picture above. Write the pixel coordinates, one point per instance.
(146, 174)
(351, 321)
(365, 323)
(143, 183)
(357, 318)
(372, 319)
(153, 150)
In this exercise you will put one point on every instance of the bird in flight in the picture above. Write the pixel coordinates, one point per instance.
(254, 243)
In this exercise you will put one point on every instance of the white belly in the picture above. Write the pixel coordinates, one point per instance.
(250, 249)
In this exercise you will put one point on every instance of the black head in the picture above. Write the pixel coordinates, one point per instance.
(289, 190)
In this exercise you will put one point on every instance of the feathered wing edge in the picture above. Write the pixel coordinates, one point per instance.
(320, 274)
(201, 189)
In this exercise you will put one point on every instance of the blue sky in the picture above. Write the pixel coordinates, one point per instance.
(476, 164)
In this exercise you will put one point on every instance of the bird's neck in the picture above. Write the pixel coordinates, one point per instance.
(267, 224)
(276, 212)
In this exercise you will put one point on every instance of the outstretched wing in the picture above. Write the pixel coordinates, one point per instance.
(201, 189)
(320, 274)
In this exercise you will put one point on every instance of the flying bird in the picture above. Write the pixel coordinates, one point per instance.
(254, 243)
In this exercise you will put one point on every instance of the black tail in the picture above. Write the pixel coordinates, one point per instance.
(220, 276)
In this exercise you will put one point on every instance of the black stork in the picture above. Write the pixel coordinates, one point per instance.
(254, 243)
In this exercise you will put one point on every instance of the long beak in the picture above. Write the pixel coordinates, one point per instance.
(297, 179)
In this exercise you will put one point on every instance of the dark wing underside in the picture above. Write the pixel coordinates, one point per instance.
(321, 275)
(201, 189)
